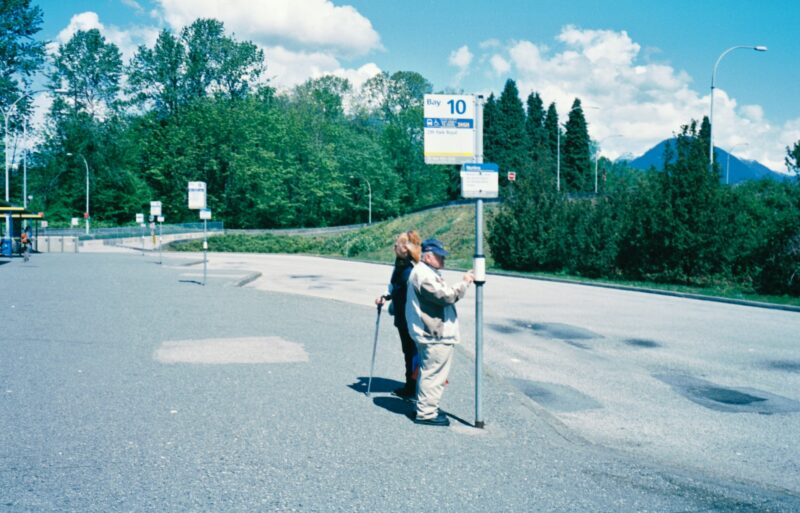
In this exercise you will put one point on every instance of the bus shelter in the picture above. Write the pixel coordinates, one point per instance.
(13, 222)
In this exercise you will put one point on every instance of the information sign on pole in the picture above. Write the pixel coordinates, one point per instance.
(449, 128)
(160, 219)
(139, 218)
(44, 224)
(197, 195)
(205, 214)
(155, 208)
(75, 221)
(479, 180)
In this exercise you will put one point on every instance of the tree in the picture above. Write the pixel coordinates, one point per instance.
(89, 69)
(793, 159)
(551, 129)
(511, 149)
(491, 134)
(21, 56)
(156, 76)
(575, 152)
(534, 128)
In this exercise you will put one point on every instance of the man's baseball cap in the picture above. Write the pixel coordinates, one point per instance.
(434, 246)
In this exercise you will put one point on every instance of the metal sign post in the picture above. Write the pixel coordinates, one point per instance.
(140, 222)
(160, 238)
(205, 215)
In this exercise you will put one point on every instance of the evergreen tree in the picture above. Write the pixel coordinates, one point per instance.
(534, 128)
(576, 162)
(793, 159)
(551, 129)
(490, 130)
(511, 151)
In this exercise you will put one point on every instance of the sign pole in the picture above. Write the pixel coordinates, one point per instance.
(160, 241)
(479, 269)
(205, 250)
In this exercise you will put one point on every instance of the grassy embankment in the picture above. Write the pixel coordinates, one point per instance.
(455, 226)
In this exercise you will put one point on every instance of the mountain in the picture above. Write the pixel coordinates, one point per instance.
(740, 169)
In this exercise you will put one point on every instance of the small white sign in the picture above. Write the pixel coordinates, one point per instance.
(205, 214)
(76, 221)
(197, 195)
(139, 218)
(479, 181)
(155, 208)
(160, 219)
(44, 224)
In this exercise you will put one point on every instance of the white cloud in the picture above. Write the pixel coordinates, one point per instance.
(500, 65)
(287, 68)
(461, 58)
(133, 4)
(127, 40)
(633, 95)
(310, 24)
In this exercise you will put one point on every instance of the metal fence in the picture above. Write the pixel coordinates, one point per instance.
(122, 232)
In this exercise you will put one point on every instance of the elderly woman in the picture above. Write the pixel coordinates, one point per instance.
(407, 252)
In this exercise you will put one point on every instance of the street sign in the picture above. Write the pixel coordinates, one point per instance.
(512, 176)
(449, 128)
(197, 195)
(86, 215)
(44, 224)
(76, 221)
(205, 214)
(479, 180)
(155, 208)
(139, 218)
(160, 219)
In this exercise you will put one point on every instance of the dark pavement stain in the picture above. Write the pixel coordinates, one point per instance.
(305, 276)
(640, 342)
(728, 399)
(559, 331)
(504, 329)
(783, 365)
(561, 398)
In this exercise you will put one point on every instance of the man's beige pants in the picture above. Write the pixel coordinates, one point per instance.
(434, 368)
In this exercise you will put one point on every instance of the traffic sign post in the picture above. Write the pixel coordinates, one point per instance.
(453, 129)
(160, 220)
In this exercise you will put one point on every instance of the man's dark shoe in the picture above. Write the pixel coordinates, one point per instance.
(439, 420)
(405, 393)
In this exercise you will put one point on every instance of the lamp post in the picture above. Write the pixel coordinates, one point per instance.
(86, 214)
(597, 157)
(369, 190)
(728, 164)
(758, 48)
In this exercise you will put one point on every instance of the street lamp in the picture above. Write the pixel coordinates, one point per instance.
(597, 156)
(713, 81)
(86, 215)
(6, 113)
(369, 189)
(728, 165)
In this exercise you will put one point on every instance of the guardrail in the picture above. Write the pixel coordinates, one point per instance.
(123, 232)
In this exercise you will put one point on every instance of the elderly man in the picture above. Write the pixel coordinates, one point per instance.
(433, 324)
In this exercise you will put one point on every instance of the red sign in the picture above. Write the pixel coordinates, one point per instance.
(512, 176)
(86, 215)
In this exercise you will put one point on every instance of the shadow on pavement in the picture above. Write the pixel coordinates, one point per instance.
(193, 281)
(379, 385)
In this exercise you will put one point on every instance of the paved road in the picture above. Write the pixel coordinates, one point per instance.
(132, 388)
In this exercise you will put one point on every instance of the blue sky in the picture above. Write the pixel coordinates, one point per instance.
(641, 68)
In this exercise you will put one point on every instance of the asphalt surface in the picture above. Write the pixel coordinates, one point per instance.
(100, 411)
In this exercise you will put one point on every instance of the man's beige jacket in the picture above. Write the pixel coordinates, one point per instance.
(430, 306)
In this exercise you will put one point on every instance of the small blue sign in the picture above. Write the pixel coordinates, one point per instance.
(449, 123)
(487, 167)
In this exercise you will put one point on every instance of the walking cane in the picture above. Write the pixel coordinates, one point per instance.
(374, 347)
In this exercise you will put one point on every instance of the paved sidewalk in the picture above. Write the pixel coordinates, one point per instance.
(129, 387)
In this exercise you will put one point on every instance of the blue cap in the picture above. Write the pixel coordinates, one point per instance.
(434, 246)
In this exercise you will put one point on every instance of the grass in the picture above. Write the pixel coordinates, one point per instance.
(455, 226)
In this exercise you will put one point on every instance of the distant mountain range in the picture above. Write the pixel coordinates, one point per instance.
(740, 170)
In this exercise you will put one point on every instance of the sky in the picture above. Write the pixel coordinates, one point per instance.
(642, 69)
